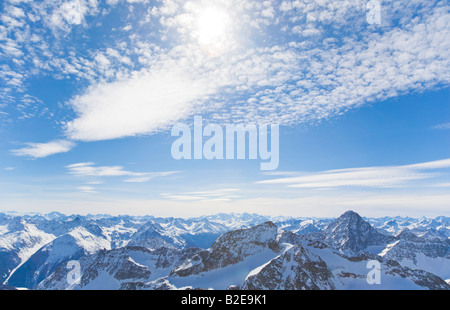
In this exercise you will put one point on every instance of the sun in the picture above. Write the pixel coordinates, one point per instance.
(212, 28)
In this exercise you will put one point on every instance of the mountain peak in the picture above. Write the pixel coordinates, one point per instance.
(406, 234)
(263, 233)
(350, 231)
(350, 213)
(233, 247)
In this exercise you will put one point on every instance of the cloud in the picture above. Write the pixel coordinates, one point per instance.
(90, 170)
(442, 126)
(283, 62)
(285, 83)
(437, 164)
(41, 150)
(225, 194)
(87, 189)
(70, 13)
(145, 177)
(143, 104)
(377, 177)
(376, 204)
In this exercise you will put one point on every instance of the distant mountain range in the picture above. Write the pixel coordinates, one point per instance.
(224, 251)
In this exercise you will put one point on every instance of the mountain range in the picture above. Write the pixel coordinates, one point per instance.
(223, 251)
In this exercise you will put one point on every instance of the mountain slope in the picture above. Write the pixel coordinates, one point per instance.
(73, 245)
(127, 267)
(18, 242)
(232, 248)
(295, 269)
(430, 252)
(313, 265)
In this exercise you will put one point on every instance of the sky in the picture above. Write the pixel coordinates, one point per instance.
(90, 91)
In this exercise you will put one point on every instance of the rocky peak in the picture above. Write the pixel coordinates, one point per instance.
(350, 231)
(295, 269)
(265, 233)
(406, 234)
(231, 248)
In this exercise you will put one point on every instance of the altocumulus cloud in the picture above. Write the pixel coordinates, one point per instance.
(282, 62)
(285, 83)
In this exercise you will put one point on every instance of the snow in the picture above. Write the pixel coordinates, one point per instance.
(221, 279)
(387, 248)
(149, 260)
(113, 232)
(3, 229)
(89, 242)
(338, 264)
(25, 243)
(22, 241)
(104, 281)
(438, 265)
(287, 247)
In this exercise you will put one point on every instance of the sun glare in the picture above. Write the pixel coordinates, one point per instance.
(212, 28)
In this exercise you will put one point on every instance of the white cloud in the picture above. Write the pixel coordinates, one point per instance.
(73, 12)
(90, 170)
(377, 205)
(41, 150)
(87, 189)
(143, 104)
(442, 126)
(437, 164)
(379, 177)
(15, 11)
(224, 194)
(145, 177)
(269, 71)
(283, 83)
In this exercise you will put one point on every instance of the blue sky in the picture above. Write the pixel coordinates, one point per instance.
(89, 91)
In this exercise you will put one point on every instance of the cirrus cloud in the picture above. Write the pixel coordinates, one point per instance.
(376, 177)
(89, 169)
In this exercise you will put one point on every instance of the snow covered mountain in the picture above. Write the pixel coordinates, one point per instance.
(71, 246)
(312, 266)
(120, 268)
(351, 232)
(232, 248)
(225, 251)
(427, 251)
(253, 258)
(394, 225)
(22, 237)
(19, 240)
